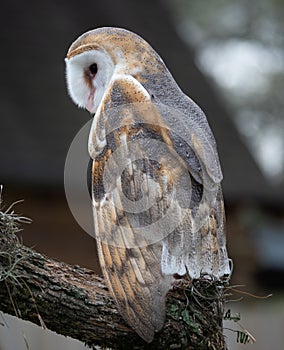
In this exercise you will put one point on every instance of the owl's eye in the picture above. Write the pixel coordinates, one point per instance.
(93, 69)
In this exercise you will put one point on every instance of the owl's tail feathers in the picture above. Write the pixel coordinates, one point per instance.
(137, 285)
(145, 315)
(210, 256)
(213, 256)
(198, 247)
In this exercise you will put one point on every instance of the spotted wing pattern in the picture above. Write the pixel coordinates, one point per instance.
(139, 160)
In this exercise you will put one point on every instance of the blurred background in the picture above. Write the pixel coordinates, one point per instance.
(229, 57)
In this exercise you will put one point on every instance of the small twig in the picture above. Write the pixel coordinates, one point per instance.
(252, 295)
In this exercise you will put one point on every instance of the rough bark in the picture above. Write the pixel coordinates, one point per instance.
(75, 302)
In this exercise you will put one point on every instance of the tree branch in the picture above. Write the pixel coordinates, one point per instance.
(74, 302)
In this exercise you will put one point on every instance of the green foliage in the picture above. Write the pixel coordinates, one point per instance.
(243, 335)
(199, 312)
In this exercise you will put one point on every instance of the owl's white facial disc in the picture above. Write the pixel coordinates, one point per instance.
(88, 75)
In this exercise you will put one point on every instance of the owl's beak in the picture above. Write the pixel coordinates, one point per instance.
(90, 101)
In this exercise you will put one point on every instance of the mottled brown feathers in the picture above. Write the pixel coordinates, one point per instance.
(157, 201)
(119, 44)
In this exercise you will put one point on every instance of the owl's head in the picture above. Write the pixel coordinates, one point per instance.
(89, 69)
(100, 55)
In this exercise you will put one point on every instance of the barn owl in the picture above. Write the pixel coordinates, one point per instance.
(156, 195)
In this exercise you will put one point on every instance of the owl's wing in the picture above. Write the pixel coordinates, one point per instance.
(198, 243)
(122, 176)
(148, 197)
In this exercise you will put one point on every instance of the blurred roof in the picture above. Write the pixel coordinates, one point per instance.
(39, 121)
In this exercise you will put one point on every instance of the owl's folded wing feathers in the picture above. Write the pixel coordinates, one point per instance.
(139, 268)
